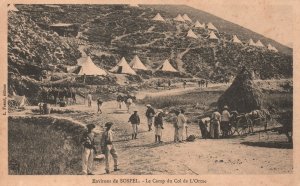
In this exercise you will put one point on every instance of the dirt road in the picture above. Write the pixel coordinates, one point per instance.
(243, 155)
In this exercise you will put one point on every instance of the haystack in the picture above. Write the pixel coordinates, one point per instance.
(243, 95)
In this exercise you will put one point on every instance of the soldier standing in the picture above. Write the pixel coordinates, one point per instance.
(88, 150)
(107, 147)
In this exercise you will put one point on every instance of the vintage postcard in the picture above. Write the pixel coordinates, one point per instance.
(149, 92)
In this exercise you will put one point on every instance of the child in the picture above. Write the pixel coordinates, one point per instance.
(135, 121)
(88, 150)
(107, 147)
(158, 124)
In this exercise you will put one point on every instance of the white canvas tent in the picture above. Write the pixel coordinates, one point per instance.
(210, 26)
(179, 18)
(137, 64)
(272, 48)
(11, 7)
(123, 68)
(212, 36)
(199, 25)
(167, 67)
(259, 44)
(235, 39)
(186, 18)
(158, 17)
(20, 101)
(88, 67)
(191, 34)
(251, 43)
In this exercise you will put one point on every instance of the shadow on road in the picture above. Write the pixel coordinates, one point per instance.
(270, 144)
(151, 145)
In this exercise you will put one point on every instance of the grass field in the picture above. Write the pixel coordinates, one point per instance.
(204, 99)
(37, 148)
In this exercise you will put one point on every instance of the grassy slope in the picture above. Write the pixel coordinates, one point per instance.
(40, 147)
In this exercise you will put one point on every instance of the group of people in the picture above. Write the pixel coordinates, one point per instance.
(156, 119)
(217, 122)
(89, 149)
(212, 127)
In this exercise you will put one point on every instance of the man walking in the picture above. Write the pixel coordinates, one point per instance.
(88, 150)
(135, 121)
(150, 115)
(107, 147)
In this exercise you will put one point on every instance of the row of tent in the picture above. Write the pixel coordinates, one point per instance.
(87, 67)
(235, 39)
(212, 28)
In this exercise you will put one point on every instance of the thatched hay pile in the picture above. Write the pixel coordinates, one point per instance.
(243, 95)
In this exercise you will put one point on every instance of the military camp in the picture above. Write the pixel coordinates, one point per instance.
(136, 89)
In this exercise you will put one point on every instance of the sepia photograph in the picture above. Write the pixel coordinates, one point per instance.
(149, 89)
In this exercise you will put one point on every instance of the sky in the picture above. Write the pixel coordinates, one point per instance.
(273, 19)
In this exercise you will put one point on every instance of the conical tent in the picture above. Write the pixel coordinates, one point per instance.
(158, 18)
(20, 100)
(210, 26)
(213, 36)
(270, 47)
(191, 34)
(186, 18)
(179, 18)
(251, 43)
(259, 44)
(123, 68)
(199, 25)
(12, 7)
(137, 64)
(89, 68)
(235, 39)
(166, 66)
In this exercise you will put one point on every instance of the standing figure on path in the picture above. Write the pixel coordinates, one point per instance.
(88, 150)
(150, 116)
(206, 83)
(135, 121)
(89, 98)
(158, 124)
(215, 125)
(184, 84)
(181, 124)
(99, 104)
(175, 125)
(107, 147)
(119, 100)
(225, 118)
(169, 84)
(129, 102)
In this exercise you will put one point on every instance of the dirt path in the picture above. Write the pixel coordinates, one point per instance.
(242, 155)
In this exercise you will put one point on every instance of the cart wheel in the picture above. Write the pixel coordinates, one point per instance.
(242, 126)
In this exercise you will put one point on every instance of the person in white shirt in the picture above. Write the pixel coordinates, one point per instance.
(225, 119)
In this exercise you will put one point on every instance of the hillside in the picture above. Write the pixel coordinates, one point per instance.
(224, 26)
(109, 32)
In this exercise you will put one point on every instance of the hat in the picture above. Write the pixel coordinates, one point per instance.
(90, 126)
(148, 105)
(135, 111)
(225, 107)
(159, 110)
(108, 124)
